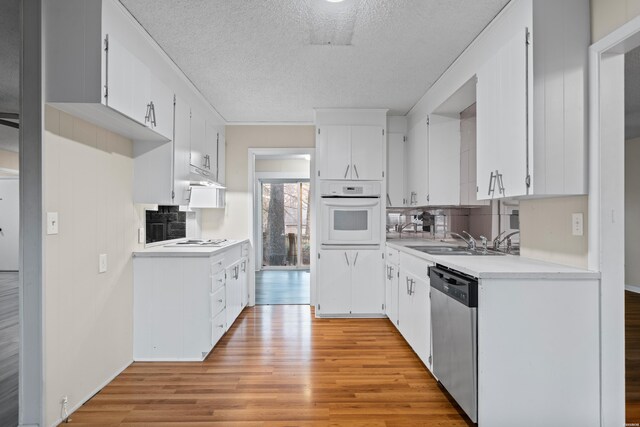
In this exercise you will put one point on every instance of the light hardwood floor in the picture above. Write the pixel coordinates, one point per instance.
(282, 287)
(279, 366)
(9, 345)
(632, 356)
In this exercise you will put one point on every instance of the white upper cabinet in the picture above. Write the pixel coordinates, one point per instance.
(395, 169)
(417, 161)
(502, 138)
(351, 152)
(160, 117)
(531, 106)
(444, 160)
(199, 145)
(367, 153)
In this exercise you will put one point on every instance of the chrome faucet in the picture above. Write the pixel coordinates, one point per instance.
(484, 241)
(471, 242)
(403, 226)
(497, 241)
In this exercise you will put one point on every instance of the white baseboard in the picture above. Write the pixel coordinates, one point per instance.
(93, 393)
(633, 288)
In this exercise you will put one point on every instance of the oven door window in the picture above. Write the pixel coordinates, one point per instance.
(350, 220)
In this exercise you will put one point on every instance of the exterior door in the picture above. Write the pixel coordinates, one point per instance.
(9, 223)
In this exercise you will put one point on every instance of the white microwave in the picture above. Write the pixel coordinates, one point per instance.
(350, 217)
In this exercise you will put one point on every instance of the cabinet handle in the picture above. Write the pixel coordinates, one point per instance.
(491, 184)
(221, 326)
(220, 300)
(412, 288)
(347, 258)
(347, 171)
(356, 259)
(153, 114)
(147, 114)
(500, 183)
(355, 168)
(407, 279)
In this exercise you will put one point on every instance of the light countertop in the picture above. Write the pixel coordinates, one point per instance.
(493, 267)
(181, 251)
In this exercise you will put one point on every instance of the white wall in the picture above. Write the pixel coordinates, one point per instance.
(88, 178)
(608, 15)
(232, 222)
(299, 166)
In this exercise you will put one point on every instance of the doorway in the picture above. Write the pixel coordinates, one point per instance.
(283, 218)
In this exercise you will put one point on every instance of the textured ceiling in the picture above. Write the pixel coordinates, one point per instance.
(9, 69)
(276, 60)
(632, 94)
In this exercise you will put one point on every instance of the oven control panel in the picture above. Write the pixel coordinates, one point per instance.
(350, 189)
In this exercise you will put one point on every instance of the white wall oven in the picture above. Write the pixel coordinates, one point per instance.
(350, 213)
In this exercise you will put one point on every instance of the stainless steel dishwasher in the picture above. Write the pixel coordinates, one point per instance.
(454, 324)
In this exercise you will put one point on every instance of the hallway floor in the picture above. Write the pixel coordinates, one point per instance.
(9, 346)
(632, 356)
(280, 366)
(282, 287)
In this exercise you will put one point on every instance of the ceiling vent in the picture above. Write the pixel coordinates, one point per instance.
(332, 24)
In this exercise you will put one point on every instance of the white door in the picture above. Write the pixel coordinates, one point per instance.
(421, 317)
(444, 160)
(395, 170)
(418, 165)
(512, 148)
(335, 146)
(487, 129)
(9, 223)
(367, 282)
(198, 140)
(391, 293)
(334, 282)
(161, 119)
(367, 153)
(182, 153)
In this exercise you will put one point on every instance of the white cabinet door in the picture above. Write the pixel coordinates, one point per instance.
(244, 282)
(334, 282)
(512, 148)
(391, 293)
(444, 160)
(487, 128)
(211, 148)
(222, 149)
(367, 282)
(417, 160)
(233, 293)
(367, 153)
(182, 152)
(405, 322)
(121, 67)
(161, 119)
(395, 170)
(335, 145)
(420, 317)
(198, 140)
(502, 122)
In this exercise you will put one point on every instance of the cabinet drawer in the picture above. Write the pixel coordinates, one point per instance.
(414, 265)
(218, 328)
(217, 281)
(393, 255)
(218, 301)
(217, 265)
(245, 250)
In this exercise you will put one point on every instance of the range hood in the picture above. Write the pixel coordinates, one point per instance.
(205, 195)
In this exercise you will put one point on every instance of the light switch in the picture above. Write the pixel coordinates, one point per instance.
(102, 268)
(52, 222)
(141, 235)
(577, 224)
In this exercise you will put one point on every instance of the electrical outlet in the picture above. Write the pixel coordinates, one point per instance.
(577, 224)
(52, 222)
(102, 263)
(141, 235)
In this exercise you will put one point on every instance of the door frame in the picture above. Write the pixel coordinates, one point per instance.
(606, 208)
(279, 153)
(260, 178)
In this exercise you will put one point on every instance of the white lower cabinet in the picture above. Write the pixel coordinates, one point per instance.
(392, 279)
(414, 306)
(350, 282)
(184, 304)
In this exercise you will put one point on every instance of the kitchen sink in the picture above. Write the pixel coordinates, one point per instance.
(454, 250)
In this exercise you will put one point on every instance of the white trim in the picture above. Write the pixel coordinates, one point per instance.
(251, 161)
(270, 123)
(295, 176)
(632, 288)
(91, 394)
(10, 171)
(606, 208)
